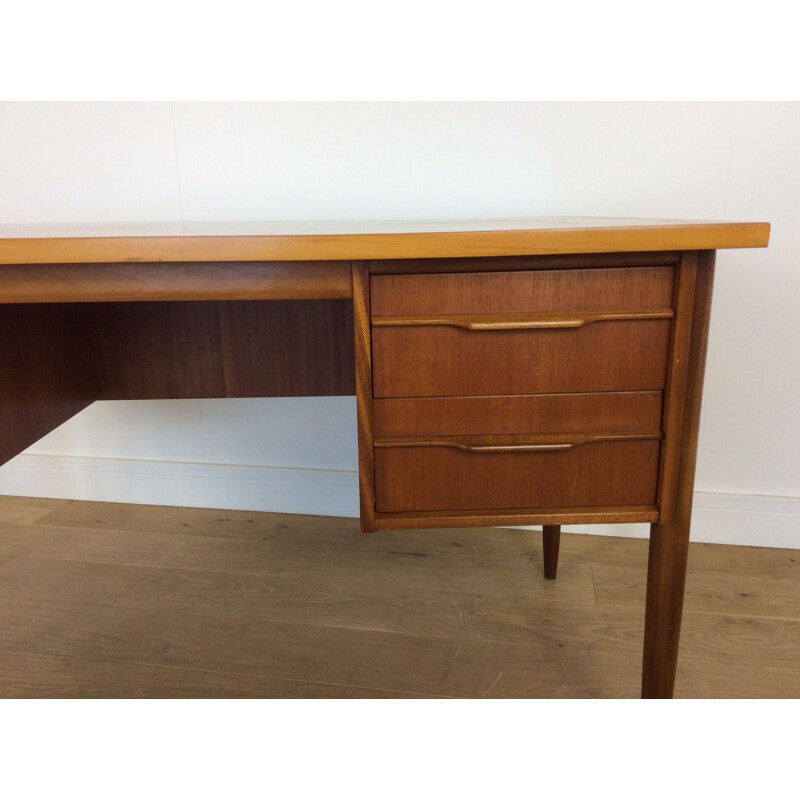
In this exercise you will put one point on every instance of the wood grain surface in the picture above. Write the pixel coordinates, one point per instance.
(58, 358)
(363, 370)
(519, 321)
(675, 392)
(49, 371)
(94, 283)
(415, 357)
(570, 515)
(412, 266)
(440, 362)
(537, 413)
(365, 240)
(669, 542)
(107, 600)
(432, 478)
(529, 291)
(274, 348)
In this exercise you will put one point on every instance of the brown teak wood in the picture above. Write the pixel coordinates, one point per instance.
(431, 478)
(532, 291)
(551, 538)
(96, 283)
(363, 347)
(606, 412)
(415, 266)
(669, 543)
(677, 370)
(485, 517)
(42, 244)
(512, 442)
(520, 322)
(422, 355)
(530, 372)
(49, 371)
(439, 361)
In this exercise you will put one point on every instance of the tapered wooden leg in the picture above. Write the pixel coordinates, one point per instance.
(551, 537)
(666, 578)
(669, 541)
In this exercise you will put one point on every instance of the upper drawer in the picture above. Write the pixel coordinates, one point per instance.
(609, 289)
(577, 330)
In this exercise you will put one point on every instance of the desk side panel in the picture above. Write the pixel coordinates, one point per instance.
(49, 370)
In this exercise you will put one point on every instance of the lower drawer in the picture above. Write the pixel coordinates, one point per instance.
(473, 473)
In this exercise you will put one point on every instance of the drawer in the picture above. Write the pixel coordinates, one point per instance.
(584, 330)
(612, 412)
(439, 454)
(481, 473)
(607, 289)
(439, 360)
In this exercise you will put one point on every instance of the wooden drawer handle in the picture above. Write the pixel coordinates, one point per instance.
(485, 448)
(521, 321)
(488, 443)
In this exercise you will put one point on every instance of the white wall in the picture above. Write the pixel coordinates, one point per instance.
(210, 161)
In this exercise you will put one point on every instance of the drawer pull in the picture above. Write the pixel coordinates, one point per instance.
(517, 443)
(520, 321)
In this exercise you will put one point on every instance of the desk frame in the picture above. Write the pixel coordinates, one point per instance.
(109, 319)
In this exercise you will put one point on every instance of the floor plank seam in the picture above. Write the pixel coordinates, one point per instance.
(690, 611)
(594, 583)
(126, 592)
(478, 560)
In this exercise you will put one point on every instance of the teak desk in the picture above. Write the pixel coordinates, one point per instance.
(508, 372)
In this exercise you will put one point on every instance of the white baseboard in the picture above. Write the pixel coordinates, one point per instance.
(753, 520)
(175, 483)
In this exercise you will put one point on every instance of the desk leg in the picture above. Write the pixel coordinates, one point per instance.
(669, 542)
(666, 578)
(551, 538)
(363, 347)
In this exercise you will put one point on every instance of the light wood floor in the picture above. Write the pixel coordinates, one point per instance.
(108, 600)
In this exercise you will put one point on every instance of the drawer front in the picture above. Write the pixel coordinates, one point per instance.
(528, 332)
(524, 291)
(442, 477)
(605, 412)
(442, 360)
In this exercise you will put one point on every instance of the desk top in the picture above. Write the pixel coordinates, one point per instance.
(349, 240)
